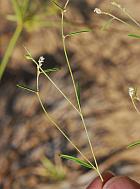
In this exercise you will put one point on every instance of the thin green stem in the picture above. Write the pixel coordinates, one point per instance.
(62, 132)
(42, 71)
(9, 49)
(79, 106)
(55, 124)
(37, 78)
(26, 88)
(25, 7)
(115, 17)
(135, 106)
(126, 13)
(133, 19)
(75, 89)
(18, 11)
(66, 4)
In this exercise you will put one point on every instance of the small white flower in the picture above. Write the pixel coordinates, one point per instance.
(97, 11)
(131, 91)
(41, 60)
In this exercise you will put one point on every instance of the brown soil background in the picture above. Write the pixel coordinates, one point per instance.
(106, 63)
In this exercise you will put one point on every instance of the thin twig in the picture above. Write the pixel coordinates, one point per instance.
(135, 106)
(75, 90)
(55, 124)
(126, 13)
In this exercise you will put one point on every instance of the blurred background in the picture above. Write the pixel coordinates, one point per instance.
(104, 61)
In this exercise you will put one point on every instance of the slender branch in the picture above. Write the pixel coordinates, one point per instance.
(66, 4)
(135, 106)
(42, 71)
(79, 106)
(55, 124)
(74, 85)
(115, 17)
(18, 11)
(133, 19)
(126, 13)
(62, 132)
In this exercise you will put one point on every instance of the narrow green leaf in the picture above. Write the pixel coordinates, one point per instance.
(77, 160)
(18, 11)
(107, 24)
(57, 5)
(78, 32)
(51, 70)
(28, 57)
(26, 88)
(134, 35)
(28, 52)
(11, 17)
(78, 92)
(25, 6)
(134, 144)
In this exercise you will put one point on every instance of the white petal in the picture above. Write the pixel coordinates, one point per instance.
(98, 11)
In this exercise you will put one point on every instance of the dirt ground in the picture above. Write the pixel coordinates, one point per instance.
(105, 63)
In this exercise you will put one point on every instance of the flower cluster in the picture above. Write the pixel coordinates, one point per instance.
(41, 61)
(97, 11)
(131, 92)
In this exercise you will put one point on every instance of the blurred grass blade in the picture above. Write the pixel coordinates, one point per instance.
(26, 88)
(28, 52)
(134, 35)
(18, 11)
(78, 32)
(25, 6)
(28, 57)
(134, 144)
(11, 17)
(51, 70)
(77, 160)
(57, 5)
(10, 49)
(78, 92)
(53, 171)
(107, 24)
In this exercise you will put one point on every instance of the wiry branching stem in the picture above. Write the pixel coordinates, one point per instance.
(40, 71)
(54, 84)
(75, 89)
(79, 110)
(54, 123)
(126, 13)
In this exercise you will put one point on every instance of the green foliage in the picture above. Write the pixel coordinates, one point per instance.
(78, 32)
(51, 70)
(132, 91)
(55, 172)
(134, 35)
(57, 5)
(77, 160)
(134, 144)
(29, 16)
(26, 88)
(85, 162)
(28, 57)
